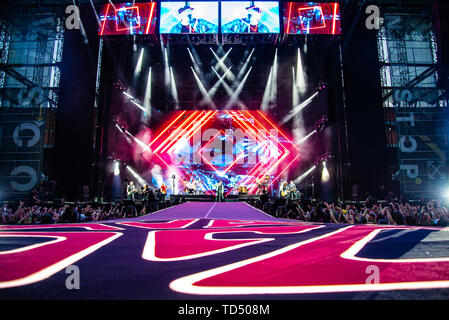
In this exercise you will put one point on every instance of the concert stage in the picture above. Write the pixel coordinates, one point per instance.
(206, 198)
(200, 250)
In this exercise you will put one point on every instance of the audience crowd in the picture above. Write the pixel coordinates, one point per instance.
(37, 214)
(416, 213)
(390, 211)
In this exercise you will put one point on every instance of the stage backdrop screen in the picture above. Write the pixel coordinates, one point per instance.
(126, 18)
(189, 17)
(312, 18)
(250, 17)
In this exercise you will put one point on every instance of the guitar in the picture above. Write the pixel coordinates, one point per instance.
(131, 190)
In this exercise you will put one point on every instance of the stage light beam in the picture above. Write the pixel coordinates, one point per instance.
(220, 63)
(229, 90)
(196, 65)
(274, 79)
(212, 91)
(139, 179)
(325, 173)
(301, 79)
(304, 175)
(138, 68)
(206, 97)
(174, 91)
(238, 90)
(147, 98)
(166, 68)
(116, 168)
(267, 93)
(307, 137)
(245, 65)
(300, 107)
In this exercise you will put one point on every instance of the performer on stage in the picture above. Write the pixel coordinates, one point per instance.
(284, 189)
(220, 190)
(163, 190)
(291, 190)
(262, 185)
(131, 190)
(144, 192)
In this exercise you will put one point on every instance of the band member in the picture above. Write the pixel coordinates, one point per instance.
(284, 189)
(220, 190)
(131, 190)
(291, 190)
(164, 189)
(144, 191)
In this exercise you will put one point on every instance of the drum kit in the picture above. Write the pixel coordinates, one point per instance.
(261, 184)
(191, 188)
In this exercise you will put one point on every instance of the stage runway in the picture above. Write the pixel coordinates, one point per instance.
(201, 250)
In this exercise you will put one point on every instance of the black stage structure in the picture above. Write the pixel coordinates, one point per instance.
(77, 153)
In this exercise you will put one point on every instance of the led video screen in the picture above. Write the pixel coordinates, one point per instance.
(312, 18)
(189, 17)
(126, 18)
(250, 17)
(242, 149)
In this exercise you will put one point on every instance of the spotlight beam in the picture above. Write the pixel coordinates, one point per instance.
(214, 89)
(274, 79)
(221, 64)
(138, 68)
(139, 142)
(325, 177)
(195, 64)
(134, 101)
(206, 97)
(167, 69)
(222, 60)
(267, 93)
(140, 180)
(299, 108)
(147, 98)
(238, 90)
(304, 175)
(307, 137)
(174, 91)
(301, 85)
(245, 65)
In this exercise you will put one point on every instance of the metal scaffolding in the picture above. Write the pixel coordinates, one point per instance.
(415, 113)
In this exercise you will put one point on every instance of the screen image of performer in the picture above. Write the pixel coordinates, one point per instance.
(189, 24)
(249, 24)
(220, 190)
(131, 191)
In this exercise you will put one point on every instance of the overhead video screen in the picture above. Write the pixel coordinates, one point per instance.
(189, 17)
(312, 18)
(250, 17)
(126, 18)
